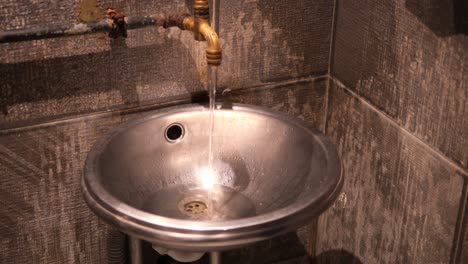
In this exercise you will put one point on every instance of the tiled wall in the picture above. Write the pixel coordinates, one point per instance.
(58, 96)
(263, 41)
(396, 110)
(398, 114)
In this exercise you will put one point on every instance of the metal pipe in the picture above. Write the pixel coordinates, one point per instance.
(136, 253)
(117, 26)
(54, 31)
(117, 247)
(110, 25)
(200, 25)
(215, 257)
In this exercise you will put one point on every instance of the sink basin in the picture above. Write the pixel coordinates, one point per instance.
(152, 179)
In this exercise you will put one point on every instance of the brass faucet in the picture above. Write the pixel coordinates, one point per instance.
(200, 25)
(117, 25)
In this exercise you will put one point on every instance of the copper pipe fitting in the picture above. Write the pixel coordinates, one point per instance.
(204, 32)
(200, 25)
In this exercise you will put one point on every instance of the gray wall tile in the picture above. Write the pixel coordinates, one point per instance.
(266, 41)
(400, 199)
(84, 83)
(464, 253)
(263, 41)
(46, 78)
(408, 59)
(43, 217)
(303, 99)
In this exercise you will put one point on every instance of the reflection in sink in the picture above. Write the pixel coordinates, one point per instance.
(271, 174)
(214, 204)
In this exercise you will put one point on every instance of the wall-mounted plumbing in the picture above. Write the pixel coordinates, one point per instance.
(117, 24)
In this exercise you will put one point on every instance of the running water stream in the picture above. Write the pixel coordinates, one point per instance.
(212, 82)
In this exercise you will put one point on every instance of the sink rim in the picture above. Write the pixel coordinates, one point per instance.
(199, 235)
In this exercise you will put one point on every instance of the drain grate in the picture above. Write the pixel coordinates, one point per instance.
(195, 208)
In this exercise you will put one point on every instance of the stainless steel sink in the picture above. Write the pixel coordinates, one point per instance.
(271, 174)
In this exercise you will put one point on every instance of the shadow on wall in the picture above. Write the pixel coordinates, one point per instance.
(443, 17)
(120, 69)
(336, 257)
(303, 39)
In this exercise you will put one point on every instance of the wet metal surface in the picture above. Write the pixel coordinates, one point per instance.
(271, 174)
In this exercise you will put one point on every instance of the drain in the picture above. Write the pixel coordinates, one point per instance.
(174, 132)
(194, 207)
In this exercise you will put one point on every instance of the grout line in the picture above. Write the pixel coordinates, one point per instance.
(403, 129)
(95, 115)
(313, 238)
(326, 99)
(332, 36)
(272, 85)
(142, 108)
(282, 83)
(460, 226)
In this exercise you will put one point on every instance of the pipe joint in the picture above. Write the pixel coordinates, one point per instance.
(201, 27)
(201, 9)
(119, 25)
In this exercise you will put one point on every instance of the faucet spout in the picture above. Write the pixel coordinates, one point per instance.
(200, 25)
(204, 32)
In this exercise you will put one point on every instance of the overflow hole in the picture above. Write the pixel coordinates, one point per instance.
(174, 132)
